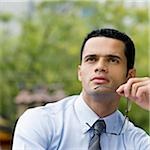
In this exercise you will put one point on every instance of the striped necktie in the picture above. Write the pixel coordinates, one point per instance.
(98, 127)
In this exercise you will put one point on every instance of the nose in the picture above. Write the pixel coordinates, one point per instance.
(101, 66)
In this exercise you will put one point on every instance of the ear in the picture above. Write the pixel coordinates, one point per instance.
(131, 73)
(79, 72)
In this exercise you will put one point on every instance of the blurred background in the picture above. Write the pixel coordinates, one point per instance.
(40, 45)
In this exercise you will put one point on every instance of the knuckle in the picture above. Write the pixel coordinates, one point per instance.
(134, 86)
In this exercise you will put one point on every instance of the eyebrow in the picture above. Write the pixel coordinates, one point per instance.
(90, 56)
(113, 56)
(109, 56)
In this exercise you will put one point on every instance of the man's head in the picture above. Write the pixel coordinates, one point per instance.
(115, 34)
(107, 60)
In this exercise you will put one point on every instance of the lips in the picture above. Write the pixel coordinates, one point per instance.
(100, 80)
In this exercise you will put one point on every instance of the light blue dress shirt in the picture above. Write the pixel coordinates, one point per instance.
(65, 125)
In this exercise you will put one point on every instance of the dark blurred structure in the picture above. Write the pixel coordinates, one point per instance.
(38, 96)
(5, 134)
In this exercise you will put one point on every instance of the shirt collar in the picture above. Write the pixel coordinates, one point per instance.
(87, 117)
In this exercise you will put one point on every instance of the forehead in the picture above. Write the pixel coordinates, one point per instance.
(104, 46)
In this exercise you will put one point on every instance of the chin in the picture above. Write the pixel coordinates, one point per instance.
(104, 89)
(105, 96)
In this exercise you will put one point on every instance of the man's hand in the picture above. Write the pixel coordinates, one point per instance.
(137, 90)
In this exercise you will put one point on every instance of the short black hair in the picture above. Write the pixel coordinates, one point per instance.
(115, 34)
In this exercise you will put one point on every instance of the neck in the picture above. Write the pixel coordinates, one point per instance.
(102, 104)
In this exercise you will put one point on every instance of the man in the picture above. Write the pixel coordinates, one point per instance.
(91, 120)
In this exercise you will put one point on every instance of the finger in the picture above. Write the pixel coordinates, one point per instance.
(143, 98)
(126, 89)
(120, 90)
(128, 86)
(136, 86)
(143, 93)
(130, 82)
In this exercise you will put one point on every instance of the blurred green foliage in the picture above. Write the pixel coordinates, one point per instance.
(48, 46)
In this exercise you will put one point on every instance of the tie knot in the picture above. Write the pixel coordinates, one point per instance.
(99, 127)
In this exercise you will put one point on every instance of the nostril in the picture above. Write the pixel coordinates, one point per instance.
(96, 70)
(100, 70)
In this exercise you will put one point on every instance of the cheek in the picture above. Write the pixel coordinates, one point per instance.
(120, 74)
(84, 75)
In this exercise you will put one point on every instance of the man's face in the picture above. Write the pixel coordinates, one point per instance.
(104, 65)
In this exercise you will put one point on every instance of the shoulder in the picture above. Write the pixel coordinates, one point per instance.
(46, 113)
(61, 105)
(133, 136)
(40, 122)
(137, 137)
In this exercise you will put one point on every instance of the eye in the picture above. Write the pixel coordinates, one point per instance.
(113, 60)
(91, 59)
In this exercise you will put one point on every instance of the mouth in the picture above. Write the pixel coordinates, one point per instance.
(100, 80)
